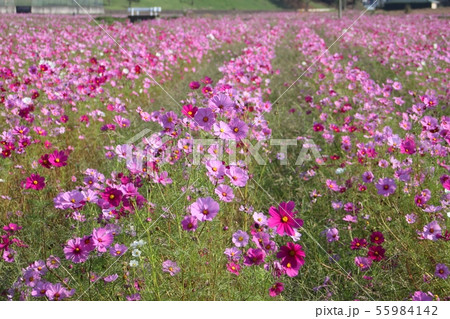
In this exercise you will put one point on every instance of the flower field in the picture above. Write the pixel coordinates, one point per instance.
(279, 156)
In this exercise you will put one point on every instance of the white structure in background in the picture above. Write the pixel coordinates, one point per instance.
(153, 11)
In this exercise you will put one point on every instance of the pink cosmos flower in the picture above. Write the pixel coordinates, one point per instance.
(432, 231)
(422, 296)
(283, 219)
(221, 103)
(8, 255)
(363, 263)
(276, 289)
(35, 181)
(58, 159)
(224, 192)
(233, 253)
(233, 268)
(58, 292)
(117, 250)
(102, 239)
(408, 146)
(377, 237)
(238, 177)
(75, 251)
(171, 267)
(332, 234)
(189, 223)
(205, 209)
(53, 262)
(254, 257)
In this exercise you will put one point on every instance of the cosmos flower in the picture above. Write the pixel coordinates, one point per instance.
(189, 110)
(410, 218)
(238, 177)
(422, 296)
(386, 186)
(233, 253)
(292, 258)
(189, 223)
(117, 250)
(102, 239)
(113, 196)
(240, 238)
(432, 231)
(58, 159)
(204, 209)
(233, 268)
(224, 192)
(332, 234)
(75, 251)
(35, 181)
(358, 243)
(441, 271)
(377, 237)
(376, 253)
(171, 267)
(276, 289)
(363, 263)
(205, 118)
(254, 257)
(283, 219)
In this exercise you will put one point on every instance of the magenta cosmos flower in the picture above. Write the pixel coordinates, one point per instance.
(75, 251)
(102, 239)
(189, 223)
(233, 268)
(441, 271)
(292, 258)
(283, 219)
(376, 253)
(171, 267)
(358, 243)
(35, 181)
(386, 186)
(58, 158)
(189, 110)
(112, 196)
(205, 209)
(276, 289)
(254, 257)
(377, 237)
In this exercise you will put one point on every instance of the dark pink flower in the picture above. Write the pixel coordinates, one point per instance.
(283, 219)
(35, 181)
